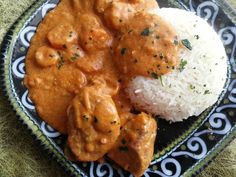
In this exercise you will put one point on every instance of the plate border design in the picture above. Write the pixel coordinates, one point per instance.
(7, 85)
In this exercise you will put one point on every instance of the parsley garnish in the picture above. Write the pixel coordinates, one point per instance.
(176, 42)
(145, 32)
(85, 118)
(207, 92)
(95, 119)
(187, 44)
(182, 65)
(154, 75)
(123, 148)
(64, 46)
(113, 122)
(123, 51)
(134, 111)
(192, 87)
(123, 141)
(61, 62)
(196, 36)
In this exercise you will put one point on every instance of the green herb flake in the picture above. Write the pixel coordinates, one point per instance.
(192, 87)
(64, 46)
(158, 37)
(123, 141)
(207, 92)
(85, 118)
(162, 84)
(161, 56)
(196, 37)
(130, 31)
(95, 119)
(187, 44)
(123, 51)
(145, 32)
(113, 122)
(182, 65)
(61, 62)
(176, 42)
(154, 75)
(123, 148)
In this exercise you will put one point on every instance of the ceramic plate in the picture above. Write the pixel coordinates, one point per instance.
(180, 151)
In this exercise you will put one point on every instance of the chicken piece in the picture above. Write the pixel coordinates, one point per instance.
(135, 146)
(91, 63)
(93, 125)
(119, 12)
(154, 53)
(46, 56)
(62, 35)
(93, 37)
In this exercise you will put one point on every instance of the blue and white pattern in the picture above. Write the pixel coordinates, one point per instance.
(172, 163)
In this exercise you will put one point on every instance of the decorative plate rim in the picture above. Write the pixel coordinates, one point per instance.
(6, 50)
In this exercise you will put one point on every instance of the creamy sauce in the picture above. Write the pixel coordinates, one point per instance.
(82, 56)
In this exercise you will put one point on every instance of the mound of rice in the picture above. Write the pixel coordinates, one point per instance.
(181, 94)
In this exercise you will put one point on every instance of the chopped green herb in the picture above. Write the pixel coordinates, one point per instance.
(154, 75)
(182, 65)
(161, 81)
(134, 111)
(192, 87)
(196, 37)
(161, 56)
(145, 32)
(64, 46)
(123, 51)
(176, 42)
(158, 37)
(207, 92)
(123, 148)
(130, 31)
(95, 119)
(113, 122)
(187, 44)
(123, 141)
(70, 34)
(73, 58)
(61, 62)
(85, 118)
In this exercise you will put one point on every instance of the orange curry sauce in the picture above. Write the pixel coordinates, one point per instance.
(78, 64)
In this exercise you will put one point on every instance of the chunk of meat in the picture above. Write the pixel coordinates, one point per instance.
(62, 35)
(70, 79)
(135, 145)
(46, 56)
(93, 37)
(119, 12)
(91, 63)
(154, 53)
(93, 125)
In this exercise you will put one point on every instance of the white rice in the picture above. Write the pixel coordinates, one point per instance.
(198, 86)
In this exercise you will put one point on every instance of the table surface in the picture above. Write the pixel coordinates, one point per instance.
(20, 155)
